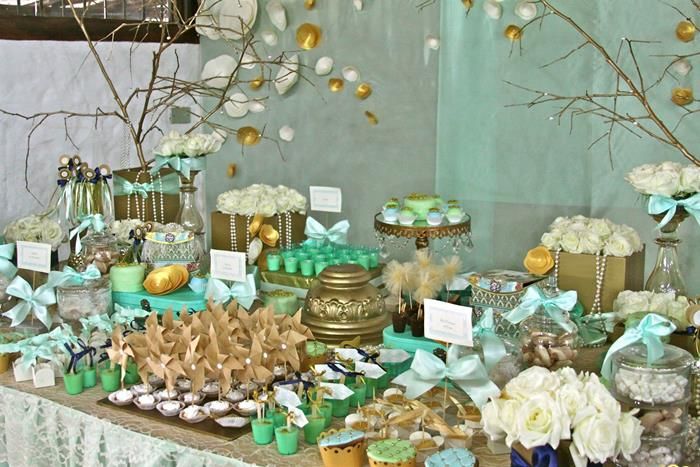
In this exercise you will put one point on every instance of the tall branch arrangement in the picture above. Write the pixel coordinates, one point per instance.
(141, 110)
(630, 86)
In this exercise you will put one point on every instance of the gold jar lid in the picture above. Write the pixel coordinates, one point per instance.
(344, 276)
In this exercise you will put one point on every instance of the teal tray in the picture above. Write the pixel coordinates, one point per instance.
(405, 341)
(161, 303)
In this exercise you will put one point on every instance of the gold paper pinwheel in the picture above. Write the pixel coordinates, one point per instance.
(253, 369)
(120, 351)
(169, 321)
(168, 368)
(139, 346)
(222, 364)
(195, 366)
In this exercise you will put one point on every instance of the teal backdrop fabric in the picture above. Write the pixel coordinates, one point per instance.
(515, 169)
(334, 145)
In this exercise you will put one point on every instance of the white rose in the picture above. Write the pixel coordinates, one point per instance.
(629, 432)
(690, 179)
(52, 234)
(570, 401)
(560, 223)
(499, 418)
(641, 177)
(590, 242)
(600, 227)
(666, 180)
(618, 245)
(194, 146)
(628, 302)
(600, 398)
(594, 439)
(677, 311)
(568, 375)
(550, 240)
(541, 421)
(531, 381)
(660, 301)
(267, 208)
(570, 242)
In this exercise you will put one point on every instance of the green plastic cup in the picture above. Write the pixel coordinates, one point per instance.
(372, 387)
(279, 418)
(287, 440)
(263, 430)
(314, 428)
(110, 378)
(89, 377)
(73, 383)
(327, 411)
(340, 407)
(273, 262)
(132, 373)
(359, 392)
(291, 265)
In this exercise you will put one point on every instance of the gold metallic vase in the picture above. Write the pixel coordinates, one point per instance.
(342, 305)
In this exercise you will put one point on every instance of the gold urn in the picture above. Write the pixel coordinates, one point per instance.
(342, 305)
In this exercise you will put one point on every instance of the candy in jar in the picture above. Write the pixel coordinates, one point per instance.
(94, 297)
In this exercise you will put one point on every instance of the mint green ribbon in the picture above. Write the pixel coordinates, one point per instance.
(659, 204)
(7, 252)
(180, 164)
(336, 234)
(493, 347)
(167, 184)
(70, 276)
(649, 332)
(42, 346)
(96, 322)
(96, 222)
(243, 292)
(31, 301)
(593, 329)
(553, 306)
(124, 315)
(468, 373)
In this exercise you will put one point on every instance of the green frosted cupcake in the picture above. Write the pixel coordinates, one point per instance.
(391, 453)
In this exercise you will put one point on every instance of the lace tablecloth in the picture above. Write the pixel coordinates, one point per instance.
(47, 427)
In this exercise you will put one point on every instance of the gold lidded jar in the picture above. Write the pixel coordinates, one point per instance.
(342, 305)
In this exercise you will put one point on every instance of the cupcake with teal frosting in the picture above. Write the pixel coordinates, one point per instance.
(454, 457)
(391, 453)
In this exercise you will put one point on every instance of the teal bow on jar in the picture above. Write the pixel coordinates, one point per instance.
(336, 234)
(96, 322)
(492, 346)
(70, 276)
(593, 329)
(244, 292)
(31, 301)
(468, 373)
(535, 298)
(659, 204)
(649, 332)
(96, 222)
(181, 165)
(7, 252)
(167, 185)
(125, 316)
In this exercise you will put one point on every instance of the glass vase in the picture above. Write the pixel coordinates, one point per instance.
(188, 216)
(666, 275)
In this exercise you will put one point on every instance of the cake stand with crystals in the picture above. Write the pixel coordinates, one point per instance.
(395, 234)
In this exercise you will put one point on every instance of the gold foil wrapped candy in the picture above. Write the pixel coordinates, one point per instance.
(538, 260)
(167, 279)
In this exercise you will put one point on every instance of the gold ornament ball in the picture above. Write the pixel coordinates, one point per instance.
(308, 36)
(336, 84)
(685, 31)
(309, 4)
(248, 136)
(231, 170)
(682, 96)
(468, 4)
(371, 118)
(513, 32)
(363, 91)
(257, 83)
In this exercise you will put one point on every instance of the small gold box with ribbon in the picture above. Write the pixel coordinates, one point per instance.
(140, 195)
(232, 232)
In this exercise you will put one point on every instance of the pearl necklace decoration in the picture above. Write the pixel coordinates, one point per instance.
(247, 232)
(141, 209)
(556, 268)
(601, 262)
(232, 230)
(288, 224)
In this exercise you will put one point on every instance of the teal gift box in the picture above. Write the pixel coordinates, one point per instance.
(183, 297)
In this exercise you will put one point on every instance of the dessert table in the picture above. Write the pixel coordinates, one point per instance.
(47, 427)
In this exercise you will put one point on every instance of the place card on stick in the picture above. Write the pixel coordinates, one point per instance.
(449, 323)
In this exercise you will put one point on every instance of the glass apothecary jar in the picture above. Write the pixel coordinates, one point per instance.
(657, 451)
(100, 249)
(78, 301)
(547, 343)
(665, 381)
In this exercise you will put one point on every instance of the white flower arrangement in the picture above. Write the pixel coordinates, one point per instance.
(35, 228)
(666, 179)
(189, 145)
(666, 304)
(540, 407)
(580, 234)
(263, 199)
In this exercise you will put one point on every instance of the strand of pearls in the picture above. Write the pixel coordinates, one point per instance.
(232, 231)
(600, 264)
(556, 267)
(288, 221)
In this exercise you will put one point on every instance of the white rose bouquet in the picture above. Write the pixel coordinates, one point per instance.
(580, 234)
(540, 407)
(186, 152)
(263, 199)
(666, 304)
(35, 228)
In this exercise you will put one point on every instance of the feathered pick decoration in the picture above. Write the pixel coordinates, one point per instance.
(423, 258)
(395, 277)
(450, 267)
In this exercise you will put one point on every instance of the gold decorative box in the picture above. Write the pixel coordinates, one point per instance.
(230, 231)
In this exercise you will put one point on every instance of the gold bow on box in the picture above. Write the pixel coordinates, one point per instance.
(264, 234)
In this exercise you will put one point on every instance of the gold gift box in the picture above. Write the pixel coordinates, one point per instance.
(577, 272)
(124, 204)
(221, 230)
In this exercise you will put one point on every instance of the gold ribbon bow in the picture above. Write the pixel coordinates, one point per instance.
(268, 234)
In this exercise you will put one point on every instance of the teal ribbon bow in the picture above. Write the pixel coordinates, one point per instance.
(243, 292)
(427, 371)
(593, 329)
(649, 332)
(96, 322)
(182, 165)
(42, 346)
(31, 301)
(336, 234)
(124, 316)
(70, 276)
(7, 252)
(167, 185)
(553, 306)
(96, 222)
(493, 347)
(659, 204)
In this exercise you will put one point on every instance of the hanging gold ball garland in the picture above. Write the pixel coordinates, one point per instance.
(513, 32)
(682, 96)
(363, 91)
(336, 84)
(257, 83)
(248, 136)
(685, 31)
(371, 118)
(308, 36)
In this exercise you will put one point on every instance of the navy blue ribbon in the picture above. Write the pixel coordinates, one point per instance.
(339, 368)
(76, 357)
(307, 384)
(542, 456)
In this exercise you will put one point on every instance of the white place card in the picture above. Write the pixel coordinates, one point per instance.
(328, 374)
(326, 198)
(448, 323)
(300, 419)
(348, 354)
(393, 356)
(337, 391)
(34, 256)
(228, 265)
(370, 370)
(286, 398)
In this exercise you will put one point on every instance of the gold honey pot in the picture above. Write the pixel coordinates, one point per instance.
(342, 305)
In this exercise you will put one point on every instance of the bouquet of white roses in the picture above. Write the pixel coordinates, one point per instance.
(666, 179)
(35, 228)
(261, 199)
(580, 234)
(666, 304)
(540, 407)
(189, 145)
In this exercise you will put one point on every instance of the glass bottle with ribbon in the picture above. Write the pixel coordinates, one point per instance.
(548, 336)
